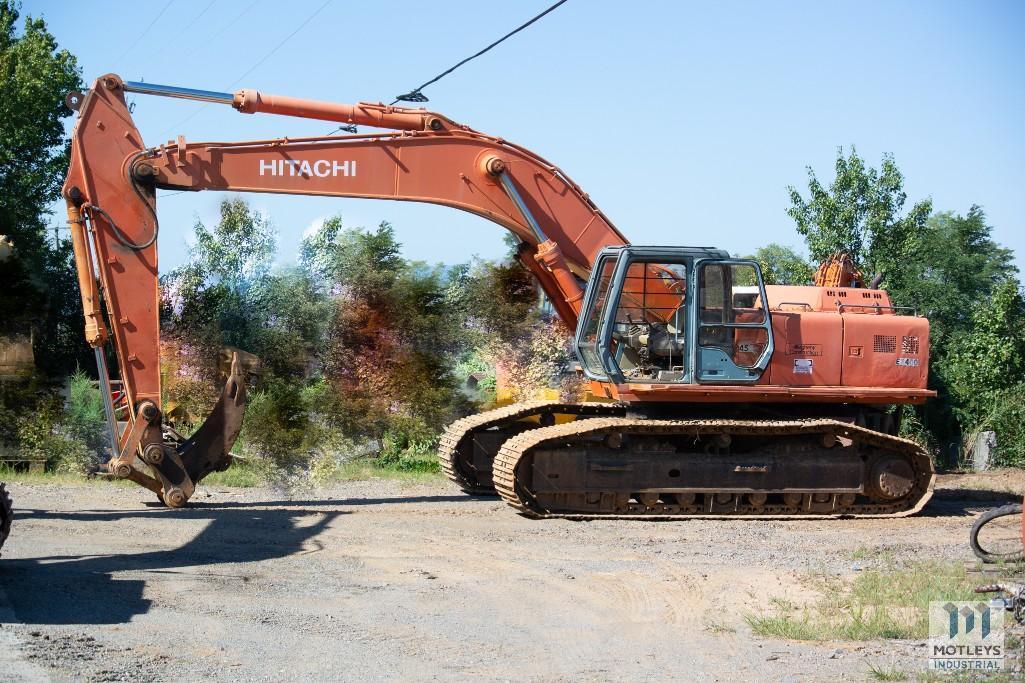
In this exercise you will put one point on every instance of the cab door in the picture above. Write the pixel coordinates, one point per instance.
(734, 331)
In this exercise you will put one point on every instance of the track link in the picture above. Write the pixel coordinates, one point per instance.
(514, 470)
(456, 446)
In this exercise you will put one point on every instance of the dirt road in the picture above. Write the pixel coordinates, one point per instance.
(380, 580)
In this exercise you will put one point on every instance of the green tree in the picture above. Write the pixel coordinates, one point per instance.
(394, 334)
(33, 160)
(984, 371)
(507, 333)
(292, 318)
(208, 299)
(782, 265)
(33, 145)
(990, 355)
(240, 249)
(861, 213)
(951, 279)
(957, 265)
(367, 261)
(496, 299)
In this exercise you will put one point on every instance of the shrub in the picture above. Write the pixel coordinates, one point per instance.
(83, 418)
(40, 437)
(1006, 417)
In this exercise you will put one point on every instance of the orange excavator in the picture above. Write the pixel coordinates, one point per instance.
(716, 395)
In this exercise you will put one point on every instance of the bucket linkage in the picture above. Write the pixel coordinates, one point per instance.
(177, 464)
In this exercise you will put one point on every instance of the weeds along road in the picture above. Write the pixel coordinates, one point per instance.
(385, 580)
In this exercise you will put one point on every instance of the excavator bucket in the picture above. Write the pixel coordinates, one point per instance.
(208, 450)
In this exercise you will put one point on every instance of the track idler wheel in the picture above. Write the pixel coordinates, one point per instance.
(892, 478)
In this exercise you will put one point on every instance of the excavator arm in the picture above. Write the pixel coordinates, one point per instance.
(111, 200)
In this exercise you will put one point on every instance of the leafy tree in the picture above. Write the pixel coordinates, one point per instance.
(496, 299)
(240, 249)
(293, 315)
(990, 356)
(949, 268)
(984, 371)
(210, 296)
(957, 265)
(861, 214)
(951, 277)
(782, 265)
(508, 334)
(33, 146)
(392, 336)
(33, 159)
(367, 261)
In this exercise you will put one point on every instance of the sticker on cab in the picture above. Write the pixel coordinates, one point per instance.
(802, 366)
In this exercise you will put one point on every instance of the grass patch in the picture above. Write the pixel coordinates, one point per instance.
(10, 474)
(362, 469)
(718, 627)
(878, 603)
(878, 673)
(326, 470)
(930, 676)
(242, 474)
(256, 472)
(863, 553)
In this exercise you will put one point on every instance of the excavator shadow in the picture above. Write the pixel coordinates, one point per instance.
(111, 588)
(347, 502)
(965, 502)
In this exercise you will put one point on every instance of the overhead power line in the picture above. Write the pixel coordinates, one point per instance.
(234, 21)
(415, 95)
(258, 62)
(142, 35)
(197, 17)
(281, 44)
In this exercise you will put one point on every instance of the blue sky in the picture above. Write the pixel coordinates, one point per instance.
(684, 121)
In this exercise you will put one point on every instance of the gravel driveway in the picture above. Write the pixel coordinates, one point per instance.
(383, 580)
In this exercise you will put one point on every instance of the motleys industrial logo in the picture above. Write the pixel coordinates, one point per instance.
(966, 636)
(322, 168)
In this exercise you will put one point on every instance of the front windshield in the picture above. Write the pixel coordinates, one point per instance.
(591, 318)
(648, 340)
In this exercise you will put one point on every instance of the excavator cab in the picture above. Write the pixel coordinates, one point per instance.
(674, 315)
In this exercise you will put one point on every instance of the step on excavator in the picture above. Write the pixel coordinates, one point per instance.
(717, 395)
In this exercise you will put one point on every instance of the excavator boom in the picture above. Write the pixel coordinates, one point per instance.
(111, 199)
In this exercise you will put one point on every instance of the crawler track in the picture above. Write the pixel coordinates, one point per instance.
(485, 432)
(624, 467)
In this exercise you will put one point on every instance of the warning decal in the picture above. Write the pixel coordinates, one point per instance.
(804, 349)
(802, 366)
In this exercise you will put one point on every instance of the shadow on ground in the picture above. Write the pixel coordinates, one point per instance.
(81, 589)
(965, 502)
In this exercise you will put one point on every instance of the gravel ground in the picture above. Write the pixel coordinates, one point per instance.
(383, 580)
